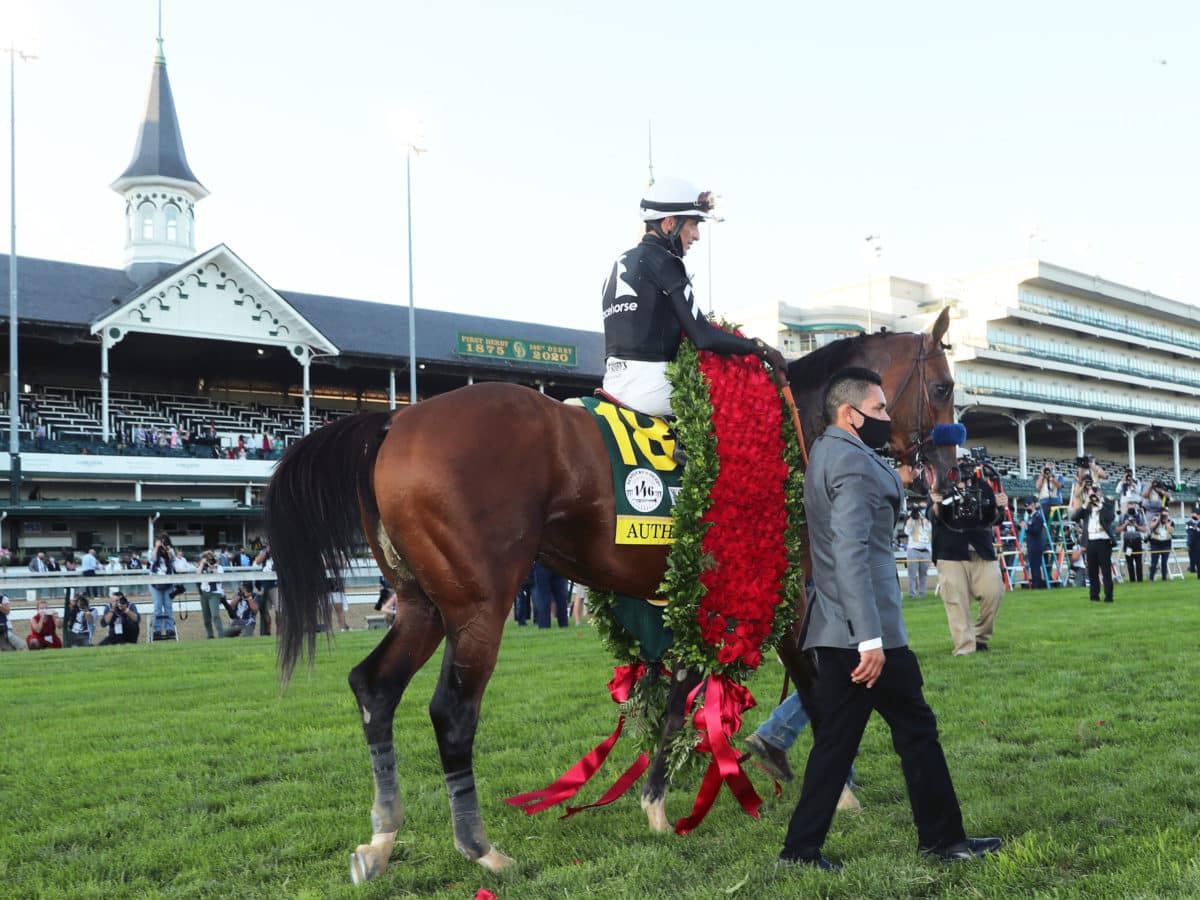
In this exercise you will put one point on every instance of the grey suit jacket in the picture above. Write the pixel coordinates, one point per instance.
(852, 503)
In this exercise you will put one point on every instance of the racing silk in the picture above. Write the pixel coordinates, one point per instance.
(648, 307)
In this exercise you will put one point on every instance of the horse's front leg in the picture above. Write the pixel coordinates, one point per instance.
(654, 792)
(378, 683)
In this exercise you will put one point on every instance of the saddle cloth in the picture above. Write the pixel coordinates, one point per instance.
(646, 478)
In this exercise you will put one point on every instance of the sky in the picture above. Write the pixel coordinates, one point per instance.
(967, 136)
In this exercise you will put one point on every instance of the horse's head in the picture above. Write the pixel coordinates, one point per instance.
(920, 392)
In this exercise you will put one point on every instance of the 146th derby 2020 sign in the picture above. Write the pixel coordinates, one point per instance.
(517, 349)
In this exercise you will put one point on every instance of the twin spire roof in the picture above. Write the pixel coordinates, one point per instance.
(159, 151)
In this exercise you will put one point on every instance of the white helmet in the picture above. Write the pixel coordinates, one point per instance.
(676, 197)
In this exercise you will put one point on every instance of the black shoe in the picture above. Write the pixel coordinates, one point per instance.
(980, 647)
(968, 848)
(772, 758)
(817, 862)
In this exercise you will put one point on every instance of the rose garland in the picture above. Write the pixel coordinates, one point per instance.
(734, 569)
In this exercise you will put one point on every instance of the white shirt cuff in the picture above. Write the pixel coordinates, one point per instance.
(872, 644)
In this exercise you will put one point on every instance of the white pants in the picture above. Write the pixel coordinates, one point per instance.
(639, 385)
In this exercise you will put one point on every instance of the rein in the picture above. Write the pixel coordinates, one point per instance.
(922, 437)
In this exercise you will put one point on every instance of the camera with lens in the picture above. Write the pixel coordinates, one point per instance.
(1085, 461)
(916, 512)
(1160, 486)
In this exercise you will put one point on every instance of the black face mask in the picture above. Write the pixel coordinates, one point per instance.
(873, 432)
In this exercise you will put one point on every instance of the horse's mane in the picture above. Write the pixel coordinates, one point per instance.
(813, 369)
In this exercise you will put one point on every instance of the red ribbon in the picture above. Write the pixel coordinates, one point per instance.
(623, 681)
(717, 720)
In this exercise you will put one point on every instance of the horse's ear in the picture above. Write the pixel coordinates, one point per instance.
(941, 325)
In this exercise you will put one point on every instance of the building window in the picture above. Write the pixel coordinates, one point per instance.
(146, 212)
(172, 224)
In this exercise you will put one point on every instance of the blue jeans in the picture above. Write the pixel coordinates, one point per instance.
(164, 608)
(784, 725)
(549, 588)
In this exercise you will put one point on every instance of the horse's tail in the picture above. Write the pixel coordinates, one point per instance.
(314, 523)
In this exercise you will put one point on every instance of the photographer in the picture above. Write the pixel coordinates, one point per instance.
(8, 640)
(121, 618)
(162, 563)
(965, 555)
(1129, 490)
(919, 531)
(242, 612)
(1162, 534)
(1193, 541)
(1078, 556)
(1088, 475)
(1049, 490)
(1096, 514)
(1035, 544)
(1132, 528)
(79, 622)
(211, 596)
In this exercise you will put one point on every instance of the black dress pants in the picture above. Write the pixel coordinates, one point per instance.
(845, 708)
(1133, 560)
(1099, 566)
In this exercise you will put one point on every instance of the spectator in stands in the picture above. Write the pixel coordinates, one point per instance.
(1085, 480)
(1035, 543)
(121, 618)
(919, 547)
(8, 638)
(38, 563)
(140, 438)
(212, 597)
(88, 565)
(1132, 528)
(967, 567)
(243, 558)
(1162, 535)
(162, 564)
(266, 445)
(241, 612)
(133, 561)
(79, 623)
(1129, 490)
(1193, 541)
(43, 629)
(1049, 487)
(1097, 515)
(40, 435)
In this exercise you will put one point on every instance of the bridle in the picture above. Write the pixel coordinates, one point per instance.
(921, 437)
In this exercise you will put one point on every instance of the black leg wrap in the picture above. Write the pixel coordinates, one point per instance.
(387, 814)
(469, 835)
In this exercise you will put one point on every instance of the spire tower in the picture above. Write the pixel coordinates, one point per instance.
(159, 188)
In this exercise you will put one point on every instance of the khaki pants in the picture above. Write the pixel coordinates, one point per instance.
(961, 580)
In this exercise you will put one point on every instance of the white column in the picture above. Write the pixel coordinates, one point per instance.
(1022, 448)
(1130, 435)
(391, 388)
(1175, 439)
(1079, 430)
(304, 364)
(104, 432)
(247, 495)
(137, 491)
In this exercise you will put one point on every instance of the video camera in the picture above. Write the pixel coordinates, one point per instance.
(1161, 486)
(963, 504)
(1085, 461)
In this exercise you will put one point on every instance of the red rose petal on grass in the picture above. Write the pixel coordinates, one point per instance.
(484, 894)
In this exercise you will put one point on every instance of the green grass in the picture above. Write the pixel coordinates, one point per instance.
(180, 770)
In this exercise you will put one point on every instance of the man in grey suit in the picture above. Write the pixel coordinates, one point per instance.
(856, 632)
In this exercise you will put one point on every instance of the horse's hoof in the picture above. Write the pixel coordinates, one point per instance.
(848, 802)
(363, 865)
(656, 815)
(494, 861)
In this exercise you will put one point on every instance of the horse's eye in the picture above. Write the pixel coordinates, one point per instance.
(943, 390)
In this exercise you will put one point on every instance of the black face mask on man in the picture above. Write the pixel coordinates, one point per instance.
(873, 432)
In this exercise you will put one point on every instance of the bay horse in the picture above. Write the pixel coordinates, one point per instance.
(457, 496)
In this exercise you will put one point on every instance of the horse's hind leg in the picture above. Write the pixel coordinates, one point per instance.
(654, 792)
(470, 657)
(378, 683)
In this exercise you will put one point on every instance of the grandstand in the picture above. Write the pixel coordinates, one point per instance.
(1049, 364)
(198, 350)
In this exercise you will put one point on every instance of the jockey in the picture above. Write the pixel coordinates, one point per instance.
(649, 306)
